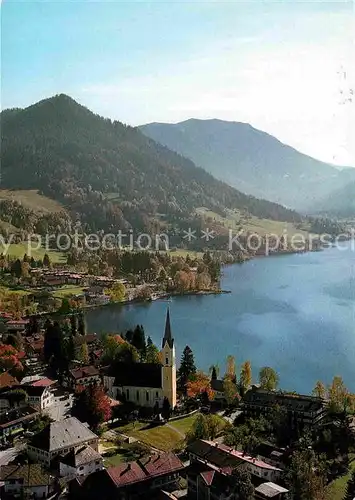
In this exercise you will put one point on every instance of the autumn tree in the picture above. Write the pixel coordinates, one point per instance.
(245, 376)
(319, 390)
(92, 405)
(83, 354)
(117, 292)
(9, 359)
(230, 391)
(203, 281)
(187, 368)
(268, 378)
(338, 395)
(231, 369)
(199, 384)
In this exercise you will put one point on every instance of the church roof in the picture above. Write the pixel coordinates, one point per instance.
(167, 334)
(137, 374)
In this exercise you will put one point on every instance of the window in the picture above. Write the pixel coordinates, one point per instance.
(157, 395)
(137, 395)
(127, 391)
(147, 396)
(166, 361)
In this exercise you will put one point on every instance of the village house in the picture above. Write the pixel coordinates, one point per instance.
(80, 462)
(210, 473)
(304, 410)
(16, 325)
(148, 384)
(83, 376)
(131, 480)
(39, 396)
(60, 438)
(27, 481)
(14, 421)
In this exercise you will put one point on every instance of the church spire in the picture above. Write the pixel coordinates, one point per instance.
(167, 334)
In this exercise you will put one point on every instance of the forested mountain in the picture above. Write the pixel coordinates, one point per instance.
(110, 175)
(341, 202)
(250, 160)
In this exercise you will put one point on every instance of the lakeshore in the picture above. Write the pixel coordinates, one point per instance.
(295, 313)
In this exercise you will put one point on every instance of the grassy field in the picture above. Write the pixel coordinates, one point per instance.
(164, 437)
(18, 250)
(67, 291)
(235, 220)
(185, 424)
(336, 489)
(32, 200)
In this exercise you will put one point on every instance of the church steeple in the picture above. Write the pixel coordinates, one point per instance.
(167, 334)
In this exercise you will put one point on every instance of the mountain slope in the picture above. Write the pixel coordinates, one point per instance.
(109, 174)
(340, 202)
(250, 160)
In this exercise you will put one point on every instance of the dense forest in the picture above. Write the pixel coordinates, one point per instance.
(110, 175)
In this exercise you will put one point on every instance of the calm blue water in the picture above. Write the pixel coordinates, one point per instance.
(295, 313)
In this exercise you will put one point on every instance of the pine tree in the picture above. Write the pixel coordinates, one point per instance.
(74, 324)
(81, 324)
(187, 368)
(46, 260)
(350, 489)
(166, 410)
(138, 341)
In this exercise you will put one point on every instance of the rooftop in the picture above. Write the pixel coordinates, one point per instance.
(84, 371)
(62, 434)
(224, 456)
(133, 472)
(270, 490)
(143, 375)
(30, 474)
(80, 456)
(294, 402)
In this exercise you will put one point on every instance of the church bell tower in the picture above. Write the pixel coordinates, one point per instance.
(169, 364)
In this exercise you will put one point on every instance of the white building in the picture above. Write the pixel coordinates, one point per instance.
(80, 462)
(40, 397)
(83, 376)
(60, 438)
(148, 383)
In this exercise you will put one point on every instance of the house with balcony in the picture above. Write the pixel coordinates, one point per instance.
(301, 410)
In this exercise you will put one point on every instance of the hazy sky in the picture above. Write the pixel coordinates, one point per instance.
(286, 67)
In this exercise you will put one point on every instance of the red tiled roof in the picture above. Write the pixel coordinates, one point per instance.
(242, 456)
(7, 380)
(208, 476)
(125, 474)
(84, 371)
(142, 470)
(43, 382)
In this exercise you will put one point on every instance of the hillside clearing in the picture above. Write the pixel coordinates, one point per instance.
(32, 200)
(18, 250)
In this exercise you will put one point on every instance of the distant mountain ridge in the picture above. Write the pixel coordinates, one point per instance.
(340, 202)
(251, 160)
(107, 174)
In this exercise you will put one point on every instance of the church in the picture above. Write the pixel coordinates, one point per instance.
(146, 384)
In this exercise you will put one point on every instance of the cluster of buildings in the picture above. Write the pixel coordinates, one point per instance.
(64, 458)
